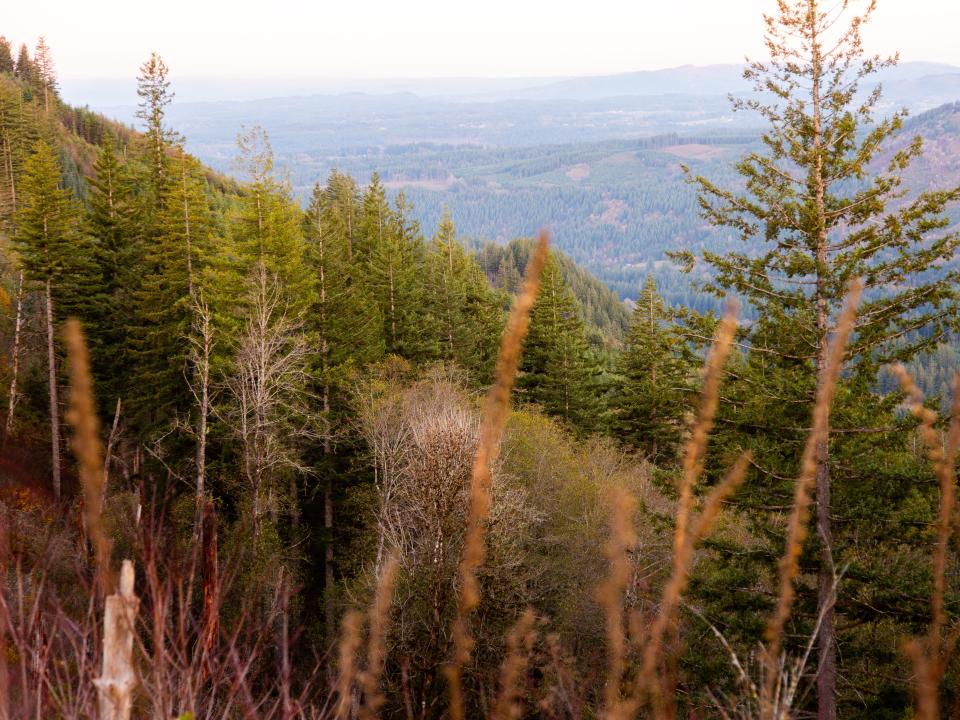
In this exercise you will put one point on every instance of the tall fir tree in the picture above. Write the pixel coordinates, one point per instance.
(46, 73)
(465, 316)
(348, 331)
(54, 253)
(166, 294)
(374, 219)
(153, 89)
(828, 206)
(558, 371)
(6, 57)
(112, 222)
(396, 255)
(266, 229)
(26, 70)
(651, 400)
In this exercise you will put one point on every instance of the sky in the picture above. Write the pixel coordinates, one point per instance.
(432, 38)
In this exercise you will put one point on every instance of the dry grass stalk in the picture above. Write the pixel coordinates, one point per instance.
(495, 412)
(800, 511)
(350, 638)
(694, 453)
(377, 640)
(929, 661)
(88, 448)
(519, 646)
(661, 695)
(611, 594)
(118, 678)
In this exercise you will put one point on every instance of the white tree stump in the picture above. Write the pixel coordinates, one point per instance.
(118, 679)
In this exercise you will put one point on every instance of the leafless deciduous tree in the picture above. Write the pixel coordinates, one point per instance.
(268, 411)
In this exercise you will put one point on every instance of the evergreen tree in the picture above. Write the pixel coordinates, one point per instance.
(466, 316)
(53, 252)
(374, 220)
(6, 56)
(164, 299)
(825, 216)
(347, 327)
(396, 256)
(46, 74)
(557, 370)
(267, 227)
(153, 88)
(651, 401)
(26, 71)
(112, 222)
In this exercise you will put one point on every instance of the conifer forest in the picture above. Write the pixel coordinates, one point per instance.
(274, 447)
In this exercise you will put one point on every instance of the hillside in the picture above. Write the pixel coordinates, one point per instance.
(316, 423)
(596, 159)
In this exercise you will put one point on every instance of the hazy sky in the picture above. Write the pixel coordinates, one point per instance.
(431, 38)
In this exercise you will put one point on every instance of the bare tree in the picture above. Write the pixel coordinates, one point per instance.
(15, 365)
(268, 387)
(201, 342)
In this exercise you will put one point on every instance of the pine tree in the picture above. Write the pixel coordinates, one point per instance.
(464, 314)
(347, 327)
(26, 71)
(112, 222)
(52, 252)
(396, 255)
(267, 229)
(166, 295)
(46, 73)
(825, 216)
(6, 56)
(153, 88)
(557, 371)
(374, 220)
(651, 401)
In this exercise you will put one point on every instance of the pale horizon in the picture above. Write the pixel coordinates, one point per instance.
(432, 39)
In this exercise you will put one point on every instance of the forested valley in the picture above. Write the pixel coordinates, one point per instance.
(273, 456)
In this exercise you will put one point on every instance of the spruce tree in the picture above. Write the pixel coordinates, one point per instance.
(6, 56)
(558, 371)
(396, 259)
(153, 88)
(25, 70)
(166, 294)
(267, 227)
(651, 400)
(348, 333)
(825, 205)
(112, 222)
(374, 219)
(54, 253)
(464, 314)
(46, 73)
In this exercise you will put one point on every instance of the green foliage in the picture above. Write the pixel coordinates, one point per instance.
(652, 395)
(163, 295)
(558, 370)
(6, 56)
(823, 203)
(467, 314)
(113, 224)
(52, 246)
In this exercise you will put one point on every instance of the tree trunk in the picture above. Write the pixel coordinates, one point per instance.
(186, 222)
(15, 369)
(205, 339)
(54, 401)
(118, 677)
(826, 638)
(329, 609)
